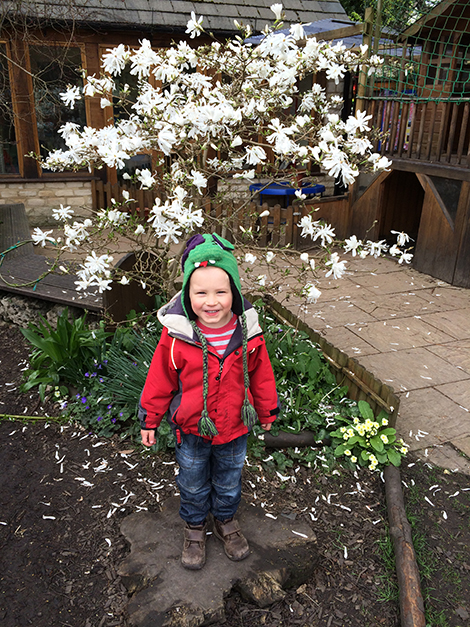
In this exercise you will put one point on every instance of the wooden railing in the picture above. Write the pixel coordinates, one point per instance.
(423, 130)
(280, 228)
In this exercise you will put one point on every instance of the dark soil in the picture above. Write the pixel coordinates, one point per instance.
(64, 492)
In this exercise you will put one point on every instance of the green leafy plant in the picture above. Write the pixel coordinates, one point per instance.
(61, 356)
(368, 441)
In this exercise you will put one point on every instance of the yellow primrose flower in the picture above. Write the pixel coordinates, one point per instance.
(343, 429)
(347, 452)
(404, 450)
(350, 433)
(384, 422)
(384, 439)
(354, 459)
(356, 420)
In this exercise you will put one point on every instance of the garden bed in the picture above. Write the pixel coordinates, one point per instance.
(61, 551)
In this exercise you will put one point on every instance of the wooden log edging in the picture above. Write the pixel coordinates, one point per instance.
(410, 596)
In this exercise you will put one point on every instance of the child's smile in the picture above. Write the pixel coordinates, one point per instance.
(211, 296)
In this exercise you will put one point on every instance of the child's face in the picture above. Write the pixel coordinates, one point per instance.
(211, 296)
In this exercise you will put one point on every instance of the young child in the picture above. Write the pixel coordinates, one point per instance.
(209, 369)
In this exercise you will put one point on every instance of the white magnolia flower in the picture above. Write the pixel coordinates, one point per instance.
(115, 59)
(145, 178)
(262, 280)
(297, 31)
(41, 237)
(312, 264)
(250, 258)
(236, 141)
(265, 214)
(337, 267)
(402, 238)
(270, 255)
(304, 257)
(140, 230)
(255, 155)
(326, 233)
(352, 244)
(70, 96)
(246, 174)
(194, 26)
(64, 213)
(277, 10)
(198, 180)
(300, 194)
(312, 293)
(405, 257)
(124, 281)
(377, 248)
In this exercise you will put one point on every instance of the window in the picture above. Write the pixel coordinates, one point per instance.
(54, 68)
(8, 150)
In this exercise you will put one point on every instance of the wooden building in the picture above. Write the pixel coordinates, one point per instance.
(42, 43)
(421, 99)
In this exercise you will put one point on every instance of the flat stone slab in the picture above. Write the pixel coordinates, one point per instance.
(412, 369)
(460, 393)
(456, 353)
(445, 456)
(394, 282)
(283, 554)
(431, 418)
(454, 323)
(400, 334)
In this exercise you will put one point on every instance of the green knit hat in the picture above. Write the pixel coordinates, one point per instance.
(210, 250)
(207, 251)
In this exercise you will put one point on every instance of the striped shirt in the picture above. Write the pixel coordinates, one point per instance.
(219, 338)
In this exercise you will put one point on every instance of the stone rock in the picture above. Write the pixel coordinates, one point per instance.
(21, 310)
(283, 554)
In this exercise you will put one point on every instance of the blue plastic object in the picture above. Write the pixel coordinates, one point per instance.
(284, 189)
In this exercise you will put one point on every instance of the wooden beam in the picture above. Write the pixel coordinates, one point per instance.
(431, 169)
(341, 33)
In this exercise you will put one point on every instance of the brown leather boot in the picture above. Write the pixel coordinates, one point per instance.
(235, 544)
(194, 547)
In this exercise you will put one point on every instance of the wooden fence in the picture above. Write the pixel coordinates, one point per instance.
(423, 130)
(279, 228)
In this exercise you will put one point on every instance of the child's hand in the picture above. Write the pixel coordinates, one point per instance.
(148, 437)
(266, 426)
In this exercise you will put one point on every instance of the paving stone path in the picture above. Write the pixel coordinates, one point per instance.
(412, 332)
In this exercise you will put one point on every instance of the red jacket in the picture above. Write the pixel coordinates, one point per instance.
(174, 380)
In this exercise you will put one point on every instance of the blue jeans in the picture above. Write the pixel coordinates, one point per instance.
(210, 477)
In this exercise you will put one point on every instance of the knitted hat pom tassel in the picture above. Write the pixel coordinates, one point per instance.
(249, 415)
(205, 425)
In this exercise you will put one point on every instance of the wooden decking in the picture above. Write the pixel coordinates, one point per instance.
(17, 274)
(21, 268)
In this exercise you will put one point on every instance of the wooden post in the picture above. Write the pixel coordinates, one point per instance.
(362, 79)
(23, 108)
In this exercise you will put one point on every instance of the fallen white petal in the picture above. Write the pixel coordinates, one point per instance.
(297, 533)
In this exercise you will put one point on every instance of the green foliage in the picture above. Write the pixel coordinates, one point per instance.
(368, 442)
(110, 374)
(61, 355)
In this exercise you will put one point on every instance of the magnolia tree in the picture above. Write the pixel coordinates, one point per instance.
(207, 114)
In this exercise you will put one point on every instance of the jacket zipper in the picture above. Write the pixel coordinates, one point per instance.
(221, 366)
